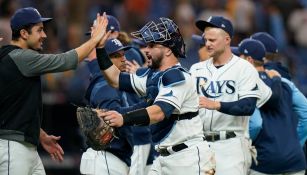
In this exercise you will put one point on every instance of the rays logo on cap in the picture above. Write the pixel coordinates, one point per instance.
(117, 42)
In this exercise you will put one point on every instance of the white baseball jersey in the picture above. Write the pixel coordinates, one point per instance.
(184, 98)
(235, 80)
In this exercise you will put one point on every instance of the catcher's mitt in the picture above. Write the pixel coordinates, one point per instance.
(98, 133)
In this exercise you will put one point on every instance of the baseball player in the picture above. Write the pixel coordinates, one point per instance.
(228, 90)
(271, 62)
(116, 158)
(143, 153)
(278, 147)
(173, 115)
(21, 66)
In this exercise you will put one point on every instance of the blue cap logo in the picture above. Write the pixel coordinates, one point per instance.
(114, 45)
(117, 42)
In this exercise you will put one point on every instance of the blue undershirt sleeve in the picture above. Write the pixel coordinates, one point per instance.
(242, 107)
(166, 108)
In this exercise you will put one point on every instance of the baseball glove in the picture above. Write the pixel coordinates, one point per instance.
(98, 133)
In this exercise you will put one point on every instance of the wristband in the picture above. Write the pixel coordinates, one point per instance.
(138, 117)
(103, 59)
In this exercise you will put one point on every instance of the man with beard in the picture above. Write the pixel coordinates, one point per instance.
(20, 89)
(228, 92)
(173, 116)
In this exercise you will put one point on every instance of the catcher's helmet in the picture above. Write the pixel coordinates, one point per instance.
(165, 32)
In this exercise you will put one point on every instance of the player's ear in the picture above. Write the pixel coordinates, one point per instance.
(168, 51)
(24, 34)
(227, 39)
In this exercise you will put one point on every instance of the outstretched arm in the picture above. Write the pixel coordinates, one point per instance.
(141, 117)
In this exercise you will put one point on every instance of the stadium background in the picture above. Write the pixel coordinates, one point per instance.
(286, 20)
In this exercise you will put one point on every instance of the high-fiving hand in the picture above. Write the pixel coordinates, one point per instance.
(99, 31)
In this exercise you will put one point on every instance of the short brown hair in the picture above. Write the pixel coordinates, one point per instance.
(16, 32)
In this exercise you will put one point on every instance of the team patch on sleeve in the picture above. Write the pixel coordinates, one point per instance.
(172, 77)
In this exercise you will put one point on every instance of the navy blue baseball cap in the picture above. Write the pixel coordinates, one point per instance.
(199, 39)
(267, 40)
(217, 22)
(113, 24)
(114, 45)
(26, 16)
(235, 50)
(253, 48)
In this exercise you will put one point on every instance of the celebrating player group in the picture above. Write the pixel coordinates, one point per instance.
(233, 113)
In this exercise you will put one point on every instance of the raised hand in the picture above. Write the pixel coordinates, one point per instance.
(99, 30)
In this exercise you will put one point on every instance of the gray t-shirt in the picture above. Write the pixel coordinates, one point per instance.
(31, 63)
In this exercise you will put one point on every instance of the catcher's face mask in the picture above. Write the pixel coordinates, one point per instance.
(165, 32)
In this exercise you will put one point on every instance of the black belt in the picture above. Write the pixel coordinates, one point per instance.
(215, 137)
(176, 148)
(188, 115)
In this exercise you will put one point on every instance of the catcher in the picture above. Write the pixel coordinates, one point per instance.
(107, 154)
(173, 116)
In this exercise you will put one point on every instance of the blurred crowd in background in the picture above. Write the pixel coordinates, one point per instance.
(286, 20)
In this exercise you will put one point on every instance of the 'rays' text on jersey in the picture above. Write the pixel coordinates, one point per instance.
(214, 89)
